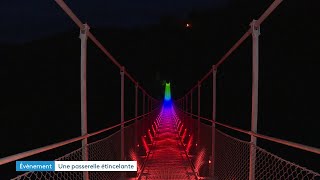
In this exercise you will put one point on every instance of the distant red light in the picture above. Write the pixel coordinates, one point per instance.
(188, 25)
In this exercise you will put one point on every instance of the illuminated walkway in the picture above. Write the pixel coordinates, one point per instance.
(167, 159)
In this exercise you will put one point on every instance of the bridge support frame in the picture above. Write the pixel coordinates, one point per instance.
(191, 111)
(191, 103)
(143, 111)
(122, 71)
(136, 115)
(183, 109)
(214, 103)
(199, 114)
(122, 113)
(187, 108)
(149, 110)
(83, 71)
(254, 111)
(186, 115)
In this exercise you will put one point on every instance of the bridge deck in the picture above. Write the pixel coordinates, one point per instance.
(167, 159)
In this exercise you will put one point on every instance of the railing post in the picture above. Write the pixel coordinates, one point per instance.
(199, 109)
(190, 119)
(136, 115)
(84, 122)
(254, 110)
(186, 115)
(143, 112)
(183, 108)
(149, 117)
(187, 103)
(191, 108)
(122, 113)
(214, 103)
(182, 104)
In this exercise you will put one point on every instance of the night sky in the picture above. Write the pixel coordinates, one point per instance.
(27, 20)
(40, 66)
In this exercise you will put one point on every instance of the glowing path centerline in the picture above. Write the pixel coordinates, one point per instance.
(167, 92)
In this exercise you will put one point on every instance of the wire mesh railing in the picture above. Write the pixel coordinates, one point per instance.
(232, 162)
(232, 156)
(271, 166)
(105, 149)
(75, 155)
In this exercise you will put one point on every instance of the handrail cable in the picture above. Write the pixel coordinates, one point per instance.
(78, 22)
(25, 154)
(269, 138)
(261, 19)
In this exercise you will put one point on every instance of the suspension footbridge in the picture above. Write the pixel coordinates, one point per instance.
(168, 140)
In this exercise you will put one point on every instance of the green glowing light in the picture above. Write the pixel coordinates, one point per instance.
(167, 92)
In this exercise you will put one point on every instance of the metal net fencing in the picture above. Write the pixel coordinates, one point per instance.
(232, 156)
(106, 149)
(270, 166)
(75, 155)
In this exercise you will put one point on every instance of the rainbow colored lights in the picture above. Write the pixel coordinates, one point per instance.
(167, 92)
